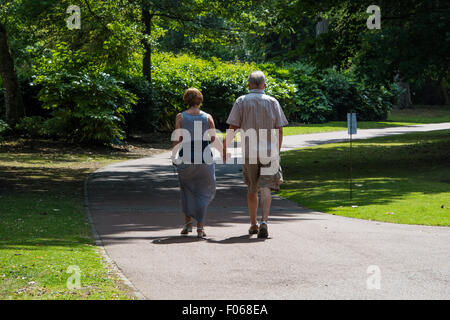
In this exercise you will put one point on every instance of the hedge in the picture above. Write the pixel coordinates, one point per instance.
(89, 105)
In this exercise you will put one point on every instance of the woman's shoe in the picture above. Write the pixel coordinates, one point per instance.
(253, 229)
(201, 233)
(187, 228)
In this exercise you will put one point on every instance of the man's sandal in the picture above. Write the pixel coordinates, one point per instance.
(263, 230)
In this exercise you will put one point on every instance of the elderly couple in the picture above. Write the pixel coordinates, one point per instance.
(255, 112)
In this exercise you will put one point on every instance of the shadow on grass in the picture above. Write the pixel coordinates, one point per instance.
(17, 179)
(390, 168)
(422, 114)
(37, 244)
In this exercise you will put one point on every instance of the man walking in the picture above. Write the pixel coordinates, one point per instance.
(259, 117)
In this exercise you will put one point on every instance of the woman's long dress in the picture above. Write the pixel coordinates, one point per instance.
(196, 173)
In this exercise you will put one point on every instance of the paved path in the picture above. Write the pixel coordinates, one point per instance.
(309, 255)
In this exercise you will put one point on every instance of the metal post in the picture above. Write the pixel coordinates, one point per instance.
(350, 117)
(351, 165)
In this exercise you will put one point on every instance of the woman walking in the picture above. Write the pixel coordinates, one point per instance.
(196, 172)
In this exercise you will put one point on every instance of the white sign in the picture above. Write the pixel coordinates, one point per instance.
(351, 123)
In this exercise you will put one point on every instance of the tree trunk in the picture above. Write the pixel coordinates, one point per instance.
(147, 60)
(14, 105)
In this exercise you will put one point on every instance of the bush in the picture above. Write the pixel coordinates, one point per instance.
(342, 93)
(85, 107)
(85, 104)
(305, 94)
(376, 101)
(30, 92)
(2, 101)
(221, 84)
(31, 126)
(144, 116)
(4, 127)
(310, 104)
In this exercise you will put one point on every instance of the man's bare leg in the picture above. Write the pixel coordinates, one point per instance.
(252, 201)
(266, 201)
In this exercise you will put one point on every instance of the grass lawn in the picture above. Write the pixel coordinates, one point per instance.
(417, 115)
(422, 114)
(43, 225)
(400, 179)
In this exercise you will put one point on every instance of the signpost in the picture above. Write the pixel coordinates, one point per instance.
(351, 125)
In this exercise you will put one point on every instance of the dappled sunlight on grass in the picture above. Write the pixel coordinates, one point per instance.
(421, 114)
(396, 118)
(405, 180)
(295, 129)
(44, 228)
(40, 237)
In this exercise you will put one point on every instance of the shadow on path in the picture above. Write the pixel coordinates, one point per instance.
(139, 198)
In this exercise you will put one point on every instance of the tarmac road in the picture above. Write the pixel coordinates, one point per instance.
(309, 255)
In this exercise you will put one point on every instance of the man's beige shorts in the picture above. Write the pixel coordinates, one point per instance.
(254, 180)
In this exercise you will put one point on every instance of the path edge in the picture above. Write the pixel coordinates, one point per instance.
(99, 243)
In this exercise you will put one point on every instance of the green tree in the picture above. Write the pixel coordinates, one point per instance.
(412, 44)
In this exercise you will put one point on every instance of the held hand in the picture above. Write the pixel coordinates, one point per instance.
(225, 156)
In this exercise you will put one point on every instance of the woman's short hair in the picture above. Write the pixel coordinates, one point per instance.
(193, 97)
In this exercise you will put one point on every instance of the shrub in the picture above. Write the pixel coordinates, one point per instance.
(330, 94)
(376, 101)
(221, 84)
(2, 100)
(310, 104)
(86, 104)
(31, 126)
(85, 107)
(342, 93)
(144, 116)
(4, 127)
(33, 107)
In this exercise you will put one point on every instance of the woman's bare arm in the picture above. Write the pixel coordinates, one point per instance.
(217, 143)
(178, 126)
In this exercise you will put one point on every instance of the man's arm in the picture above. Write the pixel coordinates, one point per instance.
(231, 132)
(280, 122)
(280, 139)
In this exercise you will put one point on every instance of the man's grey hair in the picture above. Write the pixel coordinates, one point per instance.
(256, 79)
